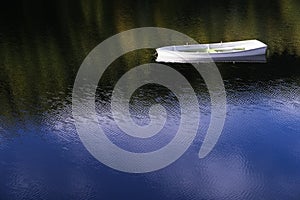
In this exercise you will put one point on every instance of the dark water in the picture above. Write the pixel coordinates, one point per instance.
(42, 45)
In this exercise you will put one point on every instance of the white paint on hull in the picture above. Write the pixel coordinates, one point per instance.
(211, 52)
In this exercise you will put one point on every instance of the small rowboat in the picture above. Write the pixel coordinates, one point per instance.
(227, 51)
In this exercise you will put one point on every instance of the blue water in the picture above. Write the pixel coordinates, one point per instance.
(256, 157)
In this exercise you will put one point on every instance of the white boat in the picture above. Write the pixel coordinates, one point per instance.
(227, 51)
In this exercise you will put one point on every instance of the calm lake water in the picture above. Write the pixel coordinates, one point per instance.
(42, 45)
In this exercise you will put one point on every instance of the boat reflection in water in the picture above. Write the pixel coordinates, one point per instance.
(245, 59)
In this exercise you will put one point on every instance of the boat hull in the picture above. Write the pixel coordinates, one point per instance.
(189, 54)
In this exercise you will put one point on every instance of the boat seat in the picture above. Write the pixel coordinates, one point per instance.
(211, 51)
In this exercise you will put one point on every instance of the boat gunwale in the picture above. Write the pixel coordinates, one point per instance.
(168, 48)
(210, 53)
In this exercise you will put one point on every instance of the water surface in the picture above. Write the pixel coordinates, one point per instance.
(42, 45)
